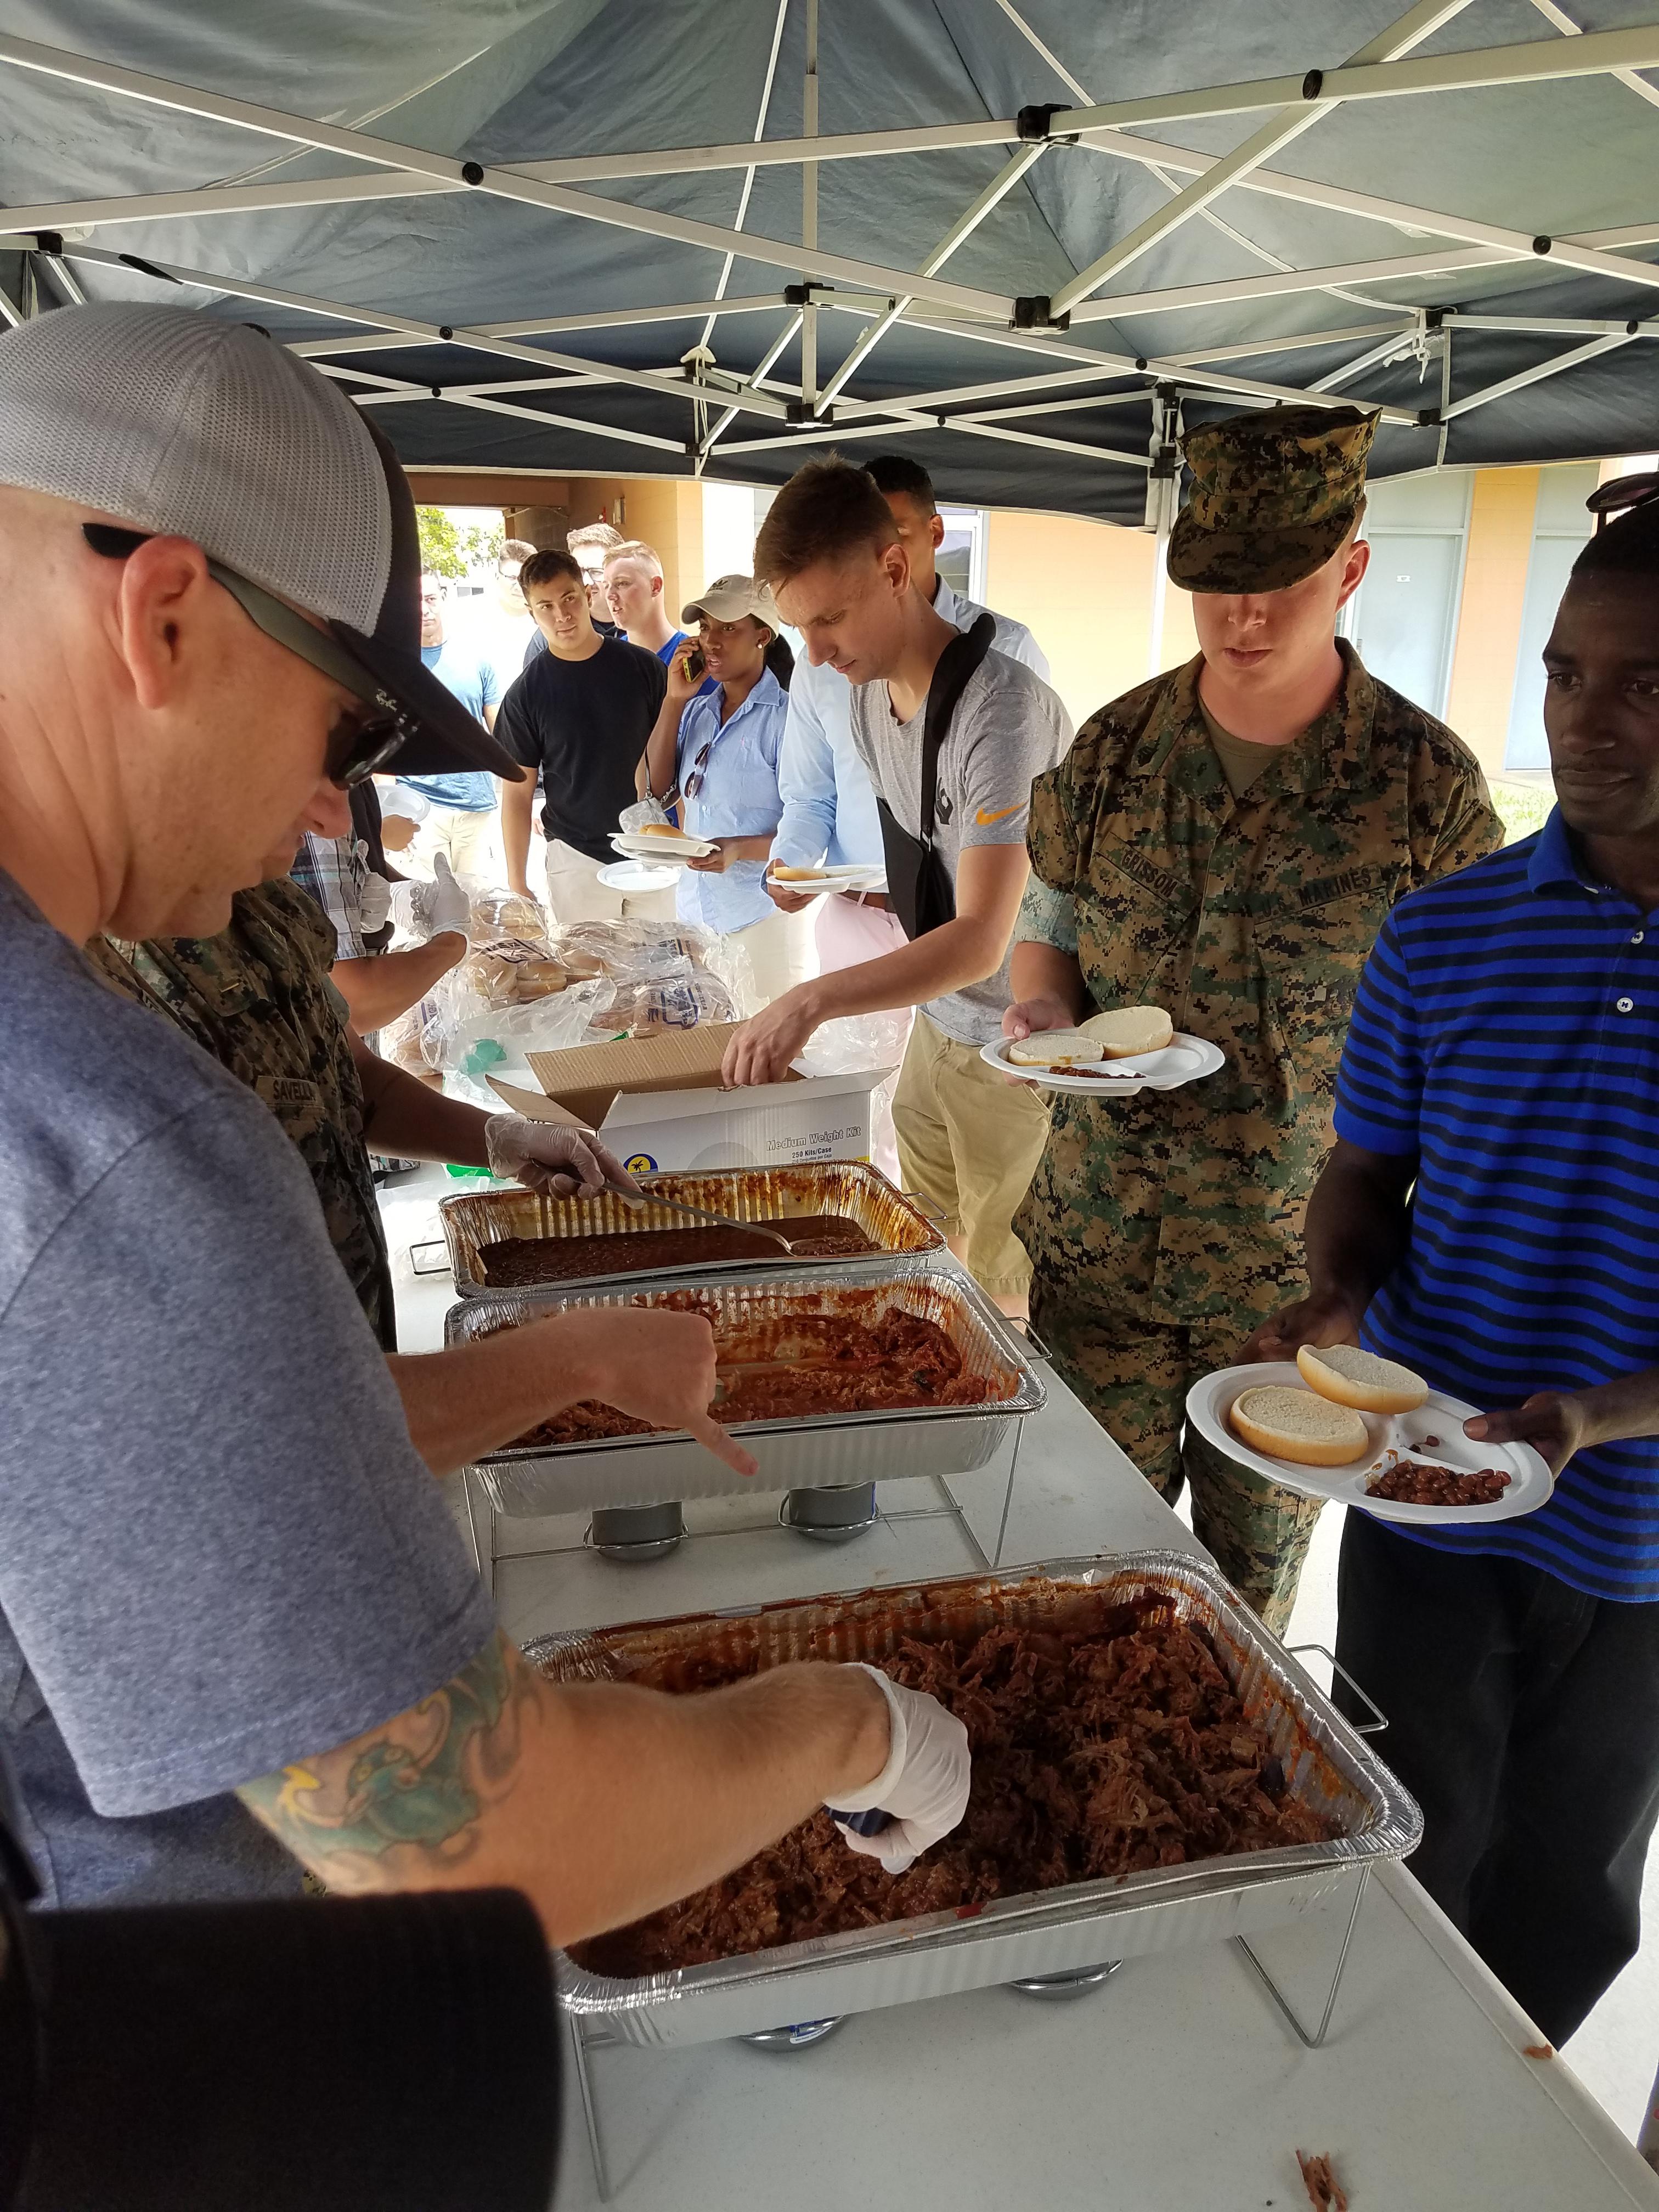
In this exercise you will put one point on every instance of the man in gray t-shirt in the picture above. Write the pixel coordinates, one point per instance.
(1008, 729)
(967, 1138)
(238, 1630)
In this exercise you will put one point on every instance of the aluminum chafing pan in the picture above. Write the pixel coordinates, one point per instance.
(1083, 1924)
(852, 1188)
(807, 1454)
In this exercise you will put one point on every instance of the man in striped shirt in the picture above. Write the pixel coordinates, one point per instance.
(1491, 1217)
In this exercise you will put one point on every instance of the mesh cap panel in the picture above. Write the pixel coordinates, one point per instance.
(180, 424)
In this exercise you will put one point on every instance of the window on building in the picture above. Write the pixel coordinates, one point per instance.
(961, 557)
(1560, 529)
(1403, 618)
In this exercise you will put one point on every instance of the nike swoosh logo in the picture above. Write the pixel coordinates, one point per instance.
(1001, 815)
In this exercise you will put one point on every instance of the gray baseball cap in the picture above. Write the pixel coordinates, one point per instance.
(180, 424)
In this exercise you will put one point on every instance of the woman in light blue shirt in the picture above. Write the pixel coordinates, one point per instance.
(721, 750)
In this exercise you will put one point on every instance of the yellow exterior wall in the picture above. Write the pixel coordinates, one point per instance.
(1489, 620)
(668, 517)
(1085, 592)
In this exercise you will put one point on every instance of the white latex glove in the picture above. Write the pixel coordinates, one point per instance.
(374, 894)
(426, 910)
(547, 1156)
(924, 1786)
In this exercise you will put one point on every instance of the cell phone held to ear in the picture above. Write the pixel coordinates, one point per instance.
(695, 663)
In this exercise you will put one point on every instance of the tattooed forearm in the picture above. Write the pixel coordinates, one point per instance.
(365, 1814)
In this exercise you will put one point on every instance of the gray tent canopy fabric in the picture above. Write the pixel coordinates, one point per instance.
(1024, 240)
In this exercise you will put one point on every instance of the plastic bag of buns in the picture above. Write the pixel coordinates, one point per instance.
(497, 913)
(511, 971)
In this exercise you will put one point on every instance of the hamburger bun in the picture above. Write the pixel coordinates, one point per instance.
(1286, 1423)
(657, 830)
(1127, 1030)
(781, 872)
(1056, 1048)
(1348, 1376)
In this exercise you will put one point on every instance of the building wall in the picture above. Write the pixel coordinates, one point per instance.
(1085, 592)
(1501, 518)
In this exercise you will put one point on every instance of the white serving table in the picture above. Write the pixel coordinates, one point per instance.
(1174, 2086)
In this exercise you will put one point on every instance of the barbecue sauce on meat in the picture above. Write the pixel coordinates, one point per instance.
(820, 1364)
(1095, 1754)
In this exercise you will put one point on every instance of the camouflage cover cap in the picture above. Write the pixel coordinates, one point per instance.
(1273, 495)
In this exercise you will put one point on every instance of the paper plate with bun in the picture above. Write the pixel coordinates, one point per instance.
(1111, 1055)
(1321, 1443)
(842, 876)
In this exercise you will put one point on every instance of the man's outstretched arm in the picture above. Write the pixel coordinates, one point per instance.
(600, 1801)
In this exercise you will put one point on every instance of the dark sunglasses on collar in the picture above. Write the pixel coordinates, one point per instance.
(359, 745)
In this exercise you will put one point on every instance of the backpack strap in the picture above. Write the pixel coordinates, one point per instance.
(952, 673)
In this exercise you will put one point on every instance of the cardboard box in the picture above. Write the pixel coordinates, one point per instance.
(658, 1104)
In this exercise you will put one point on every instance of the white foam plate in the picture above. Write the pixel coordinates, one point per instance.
(638, 876)
(1183, 1059)
(845, 877)
(679, 847)
(1531, 1482)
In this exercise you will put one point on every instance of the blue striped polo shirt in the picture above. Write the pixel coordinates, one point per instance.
(1507, 1032)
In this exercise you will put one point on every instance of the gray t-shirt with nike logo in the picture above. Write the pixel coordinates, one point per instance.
(1009, 728)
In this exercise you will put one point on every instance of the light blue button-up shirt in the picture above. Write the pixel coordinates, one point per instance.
(738, 798)
(828, 803)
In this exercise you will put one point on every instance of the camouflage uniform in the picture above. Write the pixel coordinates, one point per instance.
(1163, 1227)
(258, 999)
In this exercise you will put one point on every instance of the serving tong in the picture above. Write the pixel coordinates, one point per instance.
(636, 1200)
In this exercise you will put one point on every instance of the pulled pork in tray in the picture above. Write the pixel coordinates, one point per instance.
(792, 1366)
(1094, 1753)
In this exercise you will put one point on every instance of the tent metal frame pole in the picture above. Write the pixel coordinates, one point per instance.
(967, 424)
(730, 263)
(1249, 349)
(611, 432)
(778, 346)
(1181, 367)
(521, 185)
(1592, 54)
(1537, 374)
(809, 208)
(1273, 284)
(1572, 29)
(1535, 60)
(529, 326)
(1590, 251)
(968, 222)
(1419, 23)
(1388, 348)
(433, 333)
(356, 145)
(1567, 326)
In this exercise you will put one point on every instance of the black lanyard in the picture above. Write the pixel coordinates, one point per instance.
(919, 885)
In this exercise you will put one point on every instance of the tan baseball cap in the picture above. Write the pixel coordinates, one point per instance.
(728, 598)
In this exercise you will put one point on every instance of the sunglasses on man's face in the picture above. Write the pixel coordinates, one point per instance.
(359, 745)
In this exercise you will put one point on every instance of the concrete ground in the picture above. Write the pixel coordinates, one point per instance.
(1616, 2050)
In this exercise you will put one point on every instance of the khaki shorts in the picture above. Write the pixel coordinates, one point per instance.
(969, 1140)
